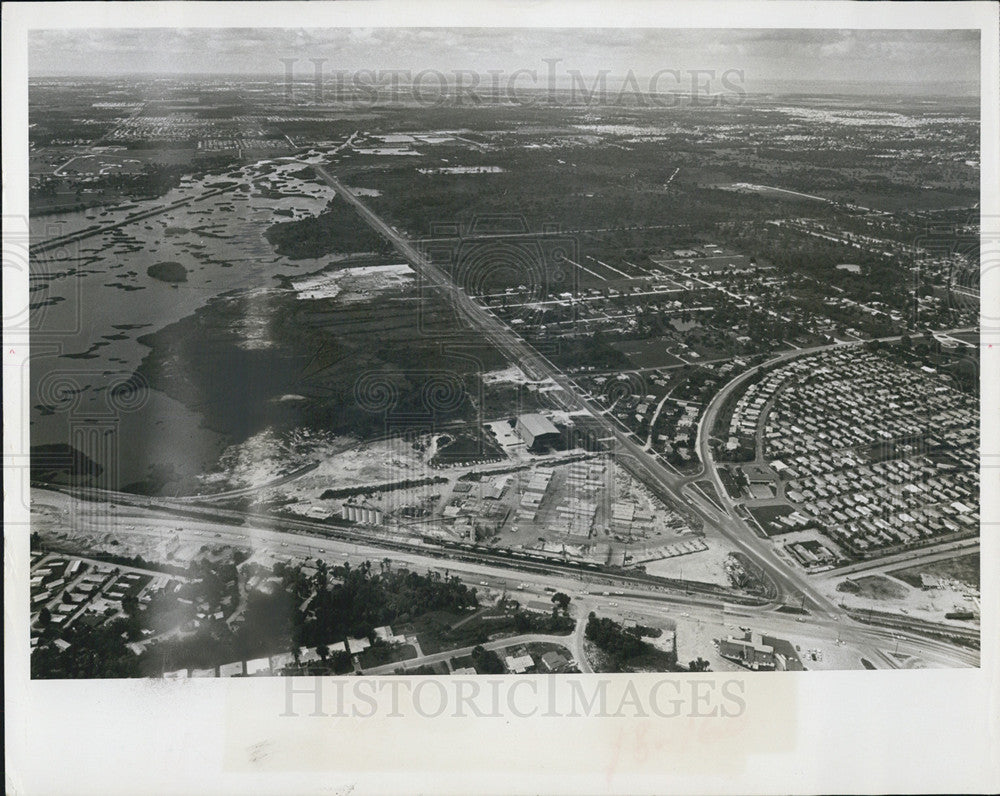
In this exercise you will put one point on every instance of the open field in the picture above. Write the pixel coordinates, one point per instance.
(964, 569)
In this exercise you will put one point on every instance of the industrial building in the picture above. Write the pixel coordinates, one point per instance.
(536, 430)
(363, 515)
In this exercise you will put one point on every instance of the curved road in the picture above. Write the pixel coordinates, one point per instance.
(632, 454)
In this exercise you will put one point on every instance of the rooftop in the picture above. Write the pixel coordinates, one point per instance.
(536, 425)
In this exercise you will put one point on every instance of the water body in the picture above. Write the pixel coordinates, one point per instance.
(92, 300)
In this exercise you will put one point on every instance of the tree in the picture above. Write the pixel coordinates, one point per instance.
(486, 661)
(323, 651)
(699, 665)
(321, 578)
(561, 601)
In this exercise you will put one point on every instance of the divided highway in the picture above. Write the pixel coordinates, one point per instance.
(788, 585)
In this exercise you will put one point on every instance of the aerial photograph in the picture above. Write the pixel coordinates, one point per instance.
(475, 351)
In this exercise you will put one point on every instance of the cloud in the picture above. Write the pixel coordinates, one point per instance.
(923, 55)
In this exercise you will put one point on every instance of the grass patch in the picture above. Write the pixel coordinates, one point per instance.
(428, 628)
(708, 488)
(963, 568)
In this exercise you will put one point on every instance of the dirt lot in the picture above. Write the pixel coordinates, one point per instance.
(964, 569)
(707, 566)
(886, 593)
(873, 587)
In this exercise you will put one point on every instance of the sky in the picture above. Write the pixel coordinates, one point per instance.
(765, 55)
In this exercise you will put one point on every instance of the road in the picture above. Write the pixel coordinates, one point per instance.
(98, 229)
(251, 490)
(790, 585)
(587, 591)
(631, 454)
(707, 423)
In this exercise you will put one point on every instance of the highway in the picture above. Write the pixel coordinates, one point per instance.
(788, 586)
(164, 508)
(609, 594)
(791, 586)
(629, 452)
(588, 591)
(98, 229)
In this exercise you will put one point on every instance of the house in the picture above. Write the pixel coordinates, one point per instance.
(234, 669)
(554, 661)
(385, 634)
(259, 666)
(519, 664)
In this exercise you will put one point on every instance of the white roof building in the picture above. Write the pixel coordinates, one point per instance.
(259, 666)
(520, 664)
(234, 669)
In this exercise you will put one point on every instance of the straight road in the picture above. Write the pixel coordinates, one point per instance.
(97, 229)
(790, 585)
(585, 593)
(631, 454)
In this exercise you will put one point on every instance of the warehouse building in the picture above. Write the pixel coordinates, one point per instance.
(536, 430)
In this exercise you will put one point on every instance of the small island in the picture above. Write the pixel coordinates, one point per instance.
(168, 272)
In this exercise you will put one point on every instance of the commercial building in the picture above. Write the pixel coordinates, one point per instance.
(750, 651)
